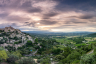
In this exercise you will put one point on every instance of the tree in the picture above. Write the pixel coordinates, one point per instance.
(36, 40)
(59, 57)
(86, 48)
(66, 52)
(56, 51)
(87, 59)
(16, 38)
(46, 61)
(95, 50)
(29, 43)
(3, 54)
(73, 56)
(17, 53)
(10, 48)
(26, 61)
(12, 58)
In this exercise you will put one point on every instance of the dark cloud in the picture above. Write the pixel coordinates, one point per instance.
(75, 21)
(14, 24)
(49, 15)
(26, 22)
(34, 10)
(32, 24)
(27, 6)
(68, 5)
(3, 25)
(86, 16)
(16, 5)
(46, 22)
(78, 22)
(17, 18)
(3, 15)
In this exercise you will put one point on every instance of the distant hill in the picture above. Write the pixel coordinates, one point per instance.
(37, 32)
(58, 33)
(91, 35)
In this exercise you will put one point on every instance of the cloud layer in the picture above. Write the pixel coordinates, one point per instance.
(51, 15)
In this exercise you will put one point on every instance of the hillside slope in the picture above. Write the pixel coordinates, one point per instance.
(91, 35)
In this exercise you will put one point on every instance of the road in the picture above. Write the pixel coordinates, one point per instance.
(32, 54)
(90, 52)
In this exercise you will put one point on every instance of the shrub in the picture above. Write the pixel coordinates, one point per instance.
(56, 51)
(3, 54)
(39, 60)
(17, 53)
(26, 61)
(59, 57)
(88, 59)
(12, 58)
(45, 62)
(29, 43)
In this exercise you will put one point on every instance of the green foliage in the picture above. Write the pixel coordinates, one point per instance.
(1, 48)
(80, 45)
(40, 50)
(59, 57)
(92, 35)
(94, 44)
(12, 58)
(78, 40)
(16, 38)
(86, 48)
(76, 62)
(2, 42)
(88, 59)
(73, 56)
(95, 50)
(3, 54)
(36, 40)
(4, 34)
(18, 42)
(66, 52)
(17, 53)
(39, 60)
(56, 51)
(36, 47)
(80, 51)
(46, 61)
(10, 48)
(29, 43)
(26, 61)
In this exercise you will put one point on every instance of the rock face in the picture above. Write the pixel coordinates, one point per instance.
(10, 29)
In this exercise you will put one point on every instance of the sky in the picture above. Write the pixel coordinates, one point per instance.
(49, 15)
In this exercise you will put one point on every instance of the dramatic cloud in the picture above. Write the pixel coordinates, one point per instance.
(86, 17)
(50, 15)
(47, 22)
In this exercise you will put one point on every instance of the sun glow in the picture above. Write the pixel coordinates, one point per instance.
(36, 18)
(38, 23)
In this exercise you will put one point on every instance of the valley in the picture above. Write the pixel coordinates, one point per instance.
(46, 48)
